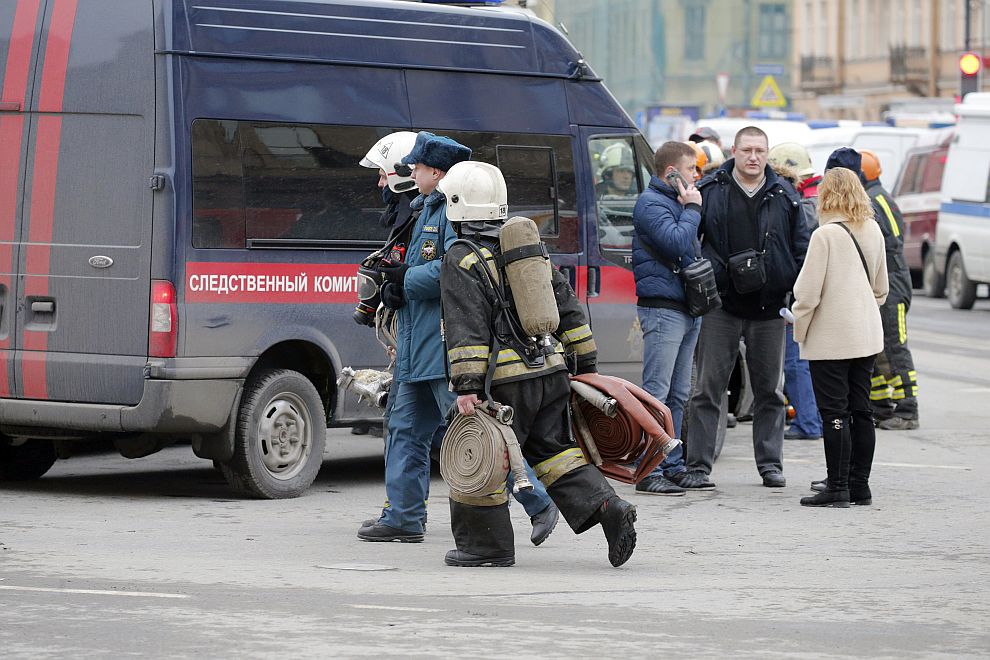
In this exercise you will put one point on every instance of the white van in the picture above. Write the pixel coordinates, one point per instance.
(962, 239)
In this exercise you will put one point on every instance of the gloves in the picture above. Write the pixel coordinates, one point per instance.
(393, 295)
(393, 271)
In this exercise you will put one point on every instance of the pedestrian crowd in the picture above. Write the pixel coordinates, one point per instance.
(812, 288)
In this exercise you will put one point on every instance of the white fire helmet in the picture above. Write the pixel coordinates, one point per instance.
(474, 191)
(387, 154)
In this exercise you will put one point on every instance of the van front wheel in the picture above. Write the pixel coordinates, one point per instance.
(26, 460)
(281, 433)
(932, 283)
(961, 291)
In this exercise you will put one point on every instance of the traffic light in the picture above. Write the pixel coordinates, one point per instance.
(970, 72)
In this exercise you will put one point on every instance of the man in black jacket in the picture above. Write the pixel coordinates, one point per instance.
(756, 238)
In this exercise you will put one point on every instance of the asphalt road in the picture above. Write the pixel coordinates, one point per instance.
(155, 557)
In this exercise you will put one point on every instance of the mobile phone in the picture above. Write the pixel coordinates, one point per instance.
(674, 177)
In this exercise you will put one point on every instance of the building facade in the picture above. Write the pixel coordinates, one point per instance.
(856, 59)
(673, 53)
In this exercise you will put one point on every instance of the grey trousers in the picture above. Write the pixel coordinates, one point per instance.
(718, 348)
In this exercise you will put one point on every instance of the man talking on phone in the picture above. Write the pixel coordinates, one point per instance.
(666, 220)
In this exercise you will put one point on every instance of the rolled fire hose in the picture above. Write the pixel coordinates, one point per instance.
(475, 451)
(641, 428)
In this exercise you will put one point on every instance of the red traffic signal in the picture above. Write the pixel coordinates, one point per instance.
(970, 63)
(970, 72)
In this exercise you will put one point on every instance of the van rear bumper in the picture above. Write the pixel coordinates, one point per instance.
(167, 406)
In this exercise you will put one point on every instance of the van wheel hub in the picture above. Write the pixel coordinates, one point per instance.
(283, 430)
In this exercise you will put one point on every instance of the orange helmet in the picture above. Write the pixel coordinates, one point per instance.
(871, 165)
(701, 158)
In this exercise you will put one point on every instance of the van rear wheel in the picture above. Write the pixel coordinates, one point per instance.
(280, 436)
(960, 289)
(25, 460)
(932, 283)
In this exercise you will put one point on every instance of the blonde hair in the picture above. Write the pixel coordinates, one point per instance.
(842, 193)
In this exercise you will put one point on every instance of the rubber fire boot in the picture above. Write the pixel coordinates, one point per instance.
(618, 517)
(483, 535)
(864, 442)
(838, 446)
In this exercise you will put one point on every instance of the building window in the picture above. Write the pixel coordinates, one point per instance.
(694, 33)
(773, 31)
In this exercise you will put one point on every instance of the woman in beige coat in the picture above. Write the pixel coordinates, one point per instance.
(837, 325)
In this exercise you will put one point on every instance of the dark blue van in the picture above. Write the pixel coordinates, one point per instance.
(182, 211)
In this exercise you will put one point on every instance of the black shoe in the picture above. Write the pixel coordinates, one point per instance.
(659, 485)
(360, 429)
(838, 499)
(382, 532)
(692, 480)
(618, 517)
(774, 479)
(860, 496)
(730, 421)
(543, 523)
(793, 434)
(458, 558)
(820, 485)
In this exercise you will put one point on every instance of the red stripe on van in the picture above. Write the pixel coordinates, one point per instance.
(19, 52)
(14, 91)
(40, 229)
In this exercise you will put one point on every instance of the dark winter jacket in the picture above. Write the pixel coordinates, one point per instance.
(671, 231)
(888, 216)
(419, 354)
(469, 305)
(783, 239)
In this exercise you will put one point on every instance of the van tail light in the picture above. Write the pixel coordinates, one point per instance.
(163, 328)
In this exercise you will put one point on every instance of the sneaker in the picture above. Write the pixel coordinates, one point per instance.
(899, 424)
(774, 479)
(693, 480)
(659, 485)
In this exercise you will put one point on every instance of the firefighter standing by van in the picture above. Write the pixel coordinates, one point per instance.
(535, 384)
(894, 392)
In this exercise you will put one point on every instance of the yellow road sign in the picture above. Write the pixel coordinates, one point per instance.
(768, 95)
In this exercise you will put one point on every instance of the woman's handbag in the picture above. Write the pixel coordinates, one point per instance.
(698, 277)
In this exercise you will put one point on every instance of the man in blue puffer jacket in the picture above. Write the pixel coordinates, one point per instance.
(666, 220)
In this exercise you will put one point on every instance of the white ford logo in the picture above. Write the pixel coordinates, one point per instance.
(100, 261)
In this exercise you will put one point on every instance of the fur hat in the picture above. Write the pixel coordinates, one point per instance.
(436, 151)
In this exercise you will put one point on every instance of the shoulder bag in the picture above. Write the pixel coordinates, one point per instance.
(698, 277)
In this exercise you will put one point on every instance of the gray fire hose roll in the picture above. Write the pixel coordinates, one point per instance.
(474, 452)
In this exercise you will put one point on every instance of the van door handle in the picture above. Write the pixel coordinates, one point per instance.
(43, 306)
(594, 281)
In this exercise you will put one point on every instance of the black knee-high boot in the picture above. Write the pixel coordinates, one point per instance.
(483, 535)
(838, 446)
(864, 442)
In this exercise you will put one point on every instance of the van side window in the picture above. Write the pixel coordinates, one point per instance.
(619, 179)
(909, 178)
(931, 179)
(539, 179)
(273, 184)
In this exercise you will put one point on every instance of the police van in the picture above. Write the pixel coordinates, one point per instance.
(182, 211)
(962, 235)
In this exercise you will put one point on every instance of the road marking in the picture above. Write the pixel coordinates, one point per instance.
(94, 592)
(356, 567)
(898, 465)
(394, 608)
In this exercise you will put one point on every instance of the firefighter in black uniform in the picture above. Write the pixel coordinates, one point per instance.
(894, 392)
(537, 390)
